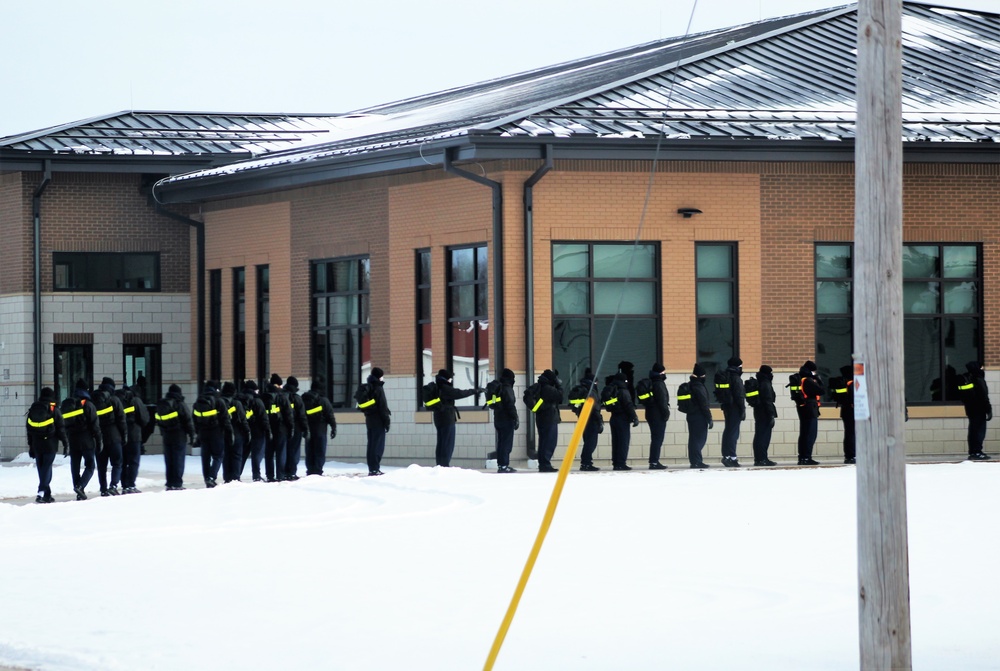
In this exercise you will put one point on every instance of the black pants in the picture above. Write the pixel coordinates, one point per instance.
(590, 435)
(848, 436)
(621, 436)
(376, 442)
(174, 454)
(697, 435)
(316, 450)
(763, 425)
(505, 440)
(213, 447)
(43, 464)
(82, 448)
(445, 445)
(254, 451)
(232, 457)
(731, 432)
(111, 454)
(657, 429)
(274, 454)
(977, 433)
(293, 453)
(131, 454)
(808, 426)
(548, 437)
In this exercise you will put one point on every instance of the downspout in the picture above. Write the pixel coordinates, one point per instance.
(498, 306)
(199, 228)
(36, 213)
(529, 281)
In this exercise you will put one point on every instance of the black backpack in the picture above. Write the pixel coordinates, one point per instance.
(429, 394)
(610, 396)
(723, 395)
(364, 395)
(206, 413)
(794, 388)
(493, 392)
(684, 403)
(644, 391)
(73, 414)
(752, 389)
(167, 414)
(966, 385)
(105, 411)
(42, 419)
(532, 397)
(128, 400)
(577, 397)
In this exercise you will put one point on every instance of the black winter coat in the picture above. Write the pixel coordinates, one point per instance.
(445, 412)
(699, 399)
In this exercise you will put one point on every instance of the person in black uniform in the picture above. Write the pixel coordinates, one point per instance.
(280, 414)
(260, 429)
(810, 391)
(595, 424)
(300, 428)
(136, 421)
(445, 416)
(734, 410)
(173, 417)
(378, 417)
(111, 415)
(84, 433)
(232, 457)
(505, 420)
(699, 419)
(657, 414)
(845, 399)
(319, 415)
(764, 414)
(45, 430)
(978, 409)
(622, 416)
(215, 431)
(547, 419)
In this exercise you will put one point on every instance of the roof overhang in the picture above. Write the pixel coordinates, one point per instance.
(20, 161)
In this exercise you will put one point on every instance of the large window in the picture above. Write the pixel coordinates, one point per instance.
(105, 271)
(591, 283)
(239, 326)
(341, 351)
(142, 370)
(425, 357)
(468, 324)
(72, 363)
(215, 323)
(716, 304)
(834, 308)
(942, 307)
(263, 325)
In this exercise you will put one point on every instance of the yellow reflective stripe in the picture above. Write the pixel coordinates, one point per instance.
(722, 386)
(292, 405)
(794, 387)
(232, 409)
(169, 415)
(208, 413)
(39, 425)
(840, 391)
(644, 396)
(371, 402)
(684, 398)
(491, 401)
(275, 410)
(319, 408)
(577, 401)
(129, 409)
(72, 413)
(538, 405)
(611, 402)
(752, 393)
(249, 414)
(105, 411)
(964, 387)
(426, 405)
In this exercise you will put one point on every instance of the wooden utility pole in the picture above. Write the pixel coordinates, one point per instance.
(883, 565)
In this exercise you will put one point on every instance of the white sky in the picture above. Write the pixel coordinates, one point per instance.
(66, 60)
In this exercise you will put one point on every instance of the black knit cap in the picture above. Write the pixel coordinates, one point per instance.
(658, 367)
(699, 370)
(734, 361)
(108, 380)
(765, 369)
(378, 373)
(47, 392)
(228, 388)
(444, 374)
(250, 385)
(174, 389)
(275, 379)
(81, 384)
(810, 365)
(588, 374)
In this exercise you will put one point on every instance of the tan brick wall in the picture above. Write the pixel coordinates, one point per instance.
(16, 233)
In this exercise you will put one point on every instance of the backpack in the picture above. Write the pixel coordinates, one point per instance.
(966, 385)
(532, 397)
(42, 419)
(794, 388)
(246, 401)
(837, 390)
(644, 391)
(609, 396)
(684, 403)
(722, 393)
(167, 415)
(128, 403)
(493, 392)
(752, 389)
(105, 411)
(72, 412)
(429, 394)
(364, 395)
(577, 397)
(206, 414)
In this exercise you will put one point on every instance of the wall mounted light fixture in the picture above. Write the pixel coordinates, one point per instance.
(688, 212)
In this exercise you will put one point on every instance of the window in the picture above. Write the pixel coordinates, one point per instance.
(142, 369)
(263, 325)
(717, 335)
(468, 325)
(425, 358)
(942, 309)
(105, 271)
(591, 283)
(215, 323)
(72, 363)
(340, 326)
(239, 326)
(834, 308)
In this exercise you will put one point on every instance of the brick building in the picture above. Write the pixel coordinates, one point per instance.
(701, 189)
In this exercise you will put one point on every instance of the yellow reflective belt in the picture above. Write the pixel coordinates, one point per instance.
(39, 425)
(105, 410)
(684, 398)
(232, 409)
(537, 405)
(645, 396)
(426, 405)
(72, 413)
(722, 386)
(752, 393)
(249, 414)
(794, 387)
(577, 401)
(840, 391)
(129, 409)
(610, 402)
(491, 401)
(275, 410)
(169, 415)
(371, 402)
(965, 387)
(208, 413)
(318, 408)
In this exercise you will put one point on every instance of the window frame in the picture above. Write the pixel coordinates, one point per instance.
(153, 353)
(89, 260)
(215, 323)
(479, 283)
(87, 351)
(263, 300)
(423, 285)
(733, 280)
(239, 298)
(818, 316)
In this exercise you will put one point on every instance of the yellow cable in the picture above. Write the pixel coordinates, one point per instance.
(564, 469)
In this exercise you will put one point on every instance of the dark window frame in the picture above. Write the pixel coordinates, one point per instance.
(423, 283)
(71, 264)
(239, 325)
(734, 315)
(153, 353)
(263, 287)
(480, 284)
(215, 323)
(820, 357)
(88, 357)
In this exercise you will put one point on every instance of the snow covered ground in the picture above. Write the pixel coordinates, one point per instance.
(723, 569)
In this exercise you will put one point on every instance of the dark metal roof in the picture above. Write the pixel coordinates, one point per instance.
(789, 80)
